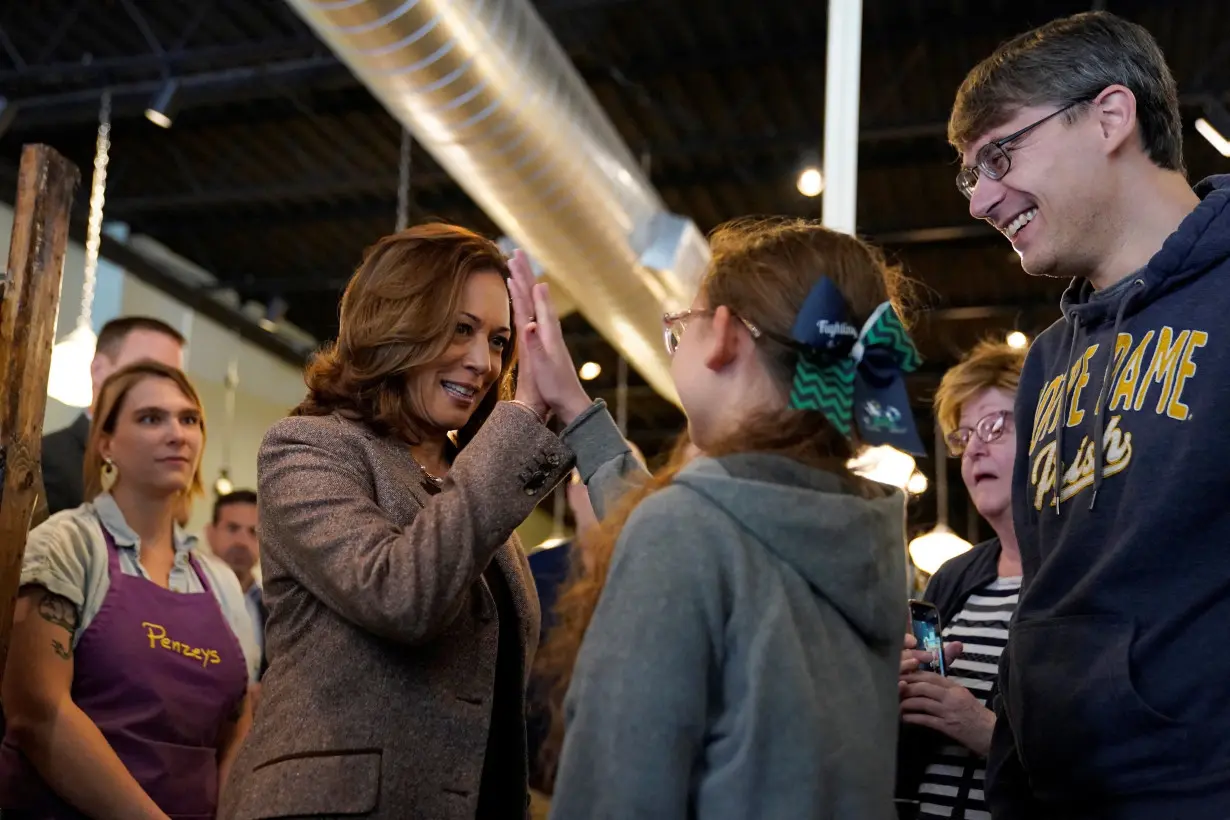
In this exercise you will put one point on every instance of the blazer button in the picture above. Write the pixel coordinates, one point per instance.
(534, 483)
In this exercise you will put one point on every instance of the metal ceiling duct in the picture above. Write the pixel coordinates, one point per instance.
(487, 90)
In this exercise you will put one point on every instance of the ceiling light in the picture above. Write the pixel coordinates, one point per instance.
(223, 485)
(68, 380)
(931, 550)
(1017, 339)
(917, 485)
(161, 107)
(1215, 137)
(884, 464)
(811, 182)
(590, 371)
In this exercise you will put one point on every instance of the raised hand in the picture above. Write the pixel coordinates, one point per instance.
(544, 355)
(519, 287)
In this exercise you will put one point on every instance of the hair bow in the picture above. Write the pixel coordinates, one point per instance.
(854, 376)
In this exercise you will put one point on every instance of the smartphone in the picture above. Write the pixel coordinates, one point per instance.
(925, 624)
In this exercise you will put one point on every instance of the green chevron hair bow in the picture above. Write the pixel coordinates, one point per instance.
(854, 376)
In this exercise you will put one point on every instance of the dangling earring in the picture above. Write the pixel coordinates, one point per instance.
(108, 475)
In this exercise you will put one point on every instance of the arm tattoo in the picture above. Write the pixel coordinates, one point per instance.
(57, 610)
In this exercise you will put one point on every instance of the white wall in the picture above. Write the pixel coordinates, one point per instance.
(268, 386)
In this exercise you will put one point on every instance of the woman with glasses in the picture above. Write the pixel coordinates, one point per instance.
(738, 652)
(948, 718)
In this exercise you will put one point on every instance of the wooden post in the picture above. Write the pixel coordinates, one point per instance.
(29, 299)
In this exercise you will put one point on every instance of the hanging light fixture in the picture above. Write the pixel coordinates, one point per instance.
(917, 485)
(69, 380)
(930, 550)
(161, 110)
(223, 485)
(884, 464)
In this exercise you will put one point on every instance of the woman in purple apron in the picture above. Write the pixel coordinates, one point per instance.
(125, 689)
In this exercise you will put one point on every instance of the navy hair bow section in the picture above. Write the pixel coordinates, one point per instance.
(855, 375)
(824, 323)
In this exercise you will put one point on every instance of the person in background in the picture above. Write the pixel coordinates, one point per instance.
(706, 684)
(402, 616)
(550, 566)
(1071, 144)
(120, 342)
(131, 651)
(941, 763)
(234, 536)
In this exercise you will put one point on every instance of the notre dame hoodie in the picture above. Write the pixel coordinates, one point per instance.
(1114, 684)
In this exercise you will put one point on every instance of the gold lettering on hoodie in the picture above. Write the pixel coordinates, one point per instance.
(1163, 357)
(1116, 454)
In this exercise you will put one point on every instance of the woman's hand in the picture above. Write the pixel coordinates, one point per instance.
(942, 704)
(523, 314)
(912, 657)
(547, 367)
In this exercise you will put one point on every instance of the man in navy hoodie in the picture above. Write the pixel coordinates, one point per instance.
(1113, 686)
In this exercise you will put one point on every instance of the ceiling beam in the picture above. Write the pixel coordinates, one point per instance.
(154, 275)
(935, 236)
(939, 24)
(35, 79)
(227, 86)
(968, 313)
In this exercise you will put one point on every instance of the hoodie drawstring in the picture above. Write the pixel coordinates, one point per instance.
(1063, 410)
(1099, 424)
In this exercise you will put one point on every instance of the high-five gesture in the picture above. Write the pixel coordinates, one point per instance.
(523, 316)
(545, 360)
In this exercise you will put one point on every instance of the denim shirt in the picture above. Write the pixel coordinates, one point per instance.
(67, 556)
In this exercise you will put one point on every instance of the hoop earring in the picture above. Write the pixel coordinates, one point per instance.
(108, 475)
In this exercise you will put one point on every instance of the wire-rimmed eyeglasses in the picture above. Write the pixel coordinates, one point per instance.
(674, 323)
(989, 428)
(993, 159)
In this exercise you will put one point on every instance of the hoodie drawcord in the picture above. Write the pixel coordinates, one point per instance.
(1099, 425)
(1063, 410)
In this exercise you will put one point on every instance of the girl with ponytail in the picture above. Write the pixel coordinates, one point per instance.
(739, 621)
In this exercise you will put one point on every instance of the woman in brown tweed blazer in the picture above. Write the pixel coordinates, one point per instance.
(402, 617)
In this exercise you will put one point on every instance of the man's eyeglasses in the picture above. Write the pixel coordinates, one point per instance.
(993, 159)
(989, 428)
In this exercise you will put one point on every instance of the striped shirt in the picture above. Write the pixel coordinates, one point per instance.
(982, 626)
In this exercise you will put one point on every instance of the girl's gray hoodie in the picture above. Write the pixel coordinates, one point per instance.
(742, 662)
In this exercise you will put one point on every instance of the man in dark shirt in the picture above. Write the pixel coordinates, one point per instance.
(121, 342)
(234, 536)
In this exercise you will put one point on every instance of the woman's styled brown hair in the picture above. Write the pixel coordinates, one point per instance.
(399, 313)
(989, 364)
(762, 269)
(106, 413)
